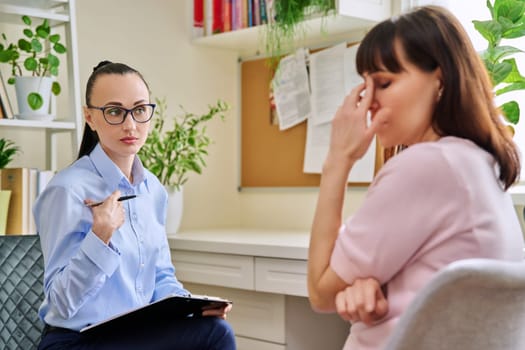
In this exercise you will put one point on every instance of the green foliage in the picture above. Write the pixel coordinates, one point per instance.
(36, 52)
(171, 154)
(507, 22)
(8, 150)
(287, 22)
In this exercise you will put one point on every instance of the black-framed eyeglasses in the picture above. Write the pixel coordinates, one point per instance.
(115, 115)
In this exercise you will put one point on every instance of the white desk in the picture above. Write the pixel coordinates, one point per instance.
(264, 273)
(518, 194)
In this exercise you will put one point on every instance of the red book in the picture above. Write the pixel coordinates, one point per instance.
(217, 22)
(198, 18)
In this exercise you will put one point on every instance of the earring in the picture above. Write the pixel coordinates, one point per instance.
(440, 93)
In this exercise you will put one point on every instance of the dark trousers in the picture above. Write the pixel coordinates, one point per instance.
(200, 333)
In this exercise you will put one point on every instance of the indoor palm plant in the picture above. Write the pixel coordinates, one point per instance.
(36, 54)
(172, 153)
(8, 150)
(507, 22)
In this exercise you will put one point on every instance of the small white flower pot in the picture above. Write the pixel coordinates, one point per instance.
(23, 87)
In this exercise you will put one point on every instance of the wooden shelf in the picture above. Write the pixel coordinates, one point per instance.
(34, 124)
(316, 32)
(349, 22)
(12, 10)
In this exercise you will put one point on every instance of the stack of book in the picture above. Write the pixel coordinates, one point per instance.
(219, 16)
(25, 185)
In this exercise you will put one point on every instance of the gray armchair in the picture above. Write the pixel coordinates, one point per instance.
(472, 304)
(21, 291)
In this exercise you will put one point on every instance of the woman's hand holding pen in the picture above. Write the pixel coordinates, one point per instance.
(107, 217)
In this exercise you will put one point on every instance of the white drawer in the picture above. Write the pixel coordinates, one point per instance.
(259, 316)
(284, 276)
(235, 271)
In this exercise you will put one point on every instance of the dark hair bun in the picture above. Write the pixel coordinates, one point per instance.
(102, 64)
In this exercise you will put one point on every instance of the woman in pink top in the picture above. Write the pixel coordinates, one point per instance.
(442, 199)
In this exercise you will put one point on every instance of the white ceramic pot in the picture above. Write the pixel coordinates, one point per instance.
(23, 87)
(174, 212)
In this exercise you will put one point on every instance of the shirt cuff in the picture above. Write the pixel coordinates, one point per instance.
(100, 254)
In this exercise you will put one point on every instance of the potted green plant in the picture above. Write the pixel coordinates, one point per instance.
(8, 150)
(172, 153)
(36, 53)
(285, 25)
(507, 22)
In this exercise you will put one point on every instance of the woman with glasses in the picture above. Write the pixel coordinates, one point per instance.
(105, 256)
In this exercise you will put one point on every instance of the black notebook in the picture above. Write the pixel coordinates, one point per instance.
(163, 309)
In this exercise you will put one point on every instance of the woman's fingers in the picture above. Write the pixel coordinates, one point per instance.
(363, 301)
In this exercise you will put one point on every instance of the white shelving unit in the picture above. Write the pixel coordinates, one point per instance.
(59, 13)
(349, 22)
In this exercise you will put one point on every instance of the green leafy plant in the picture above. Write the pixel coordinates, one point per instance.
(36, 52)
(171, 154)
(287, 19)
(8, 150)
(507, 22)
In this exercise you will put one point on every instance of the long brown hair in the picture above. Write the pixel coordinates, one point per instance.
(90, 137)
(433, 38)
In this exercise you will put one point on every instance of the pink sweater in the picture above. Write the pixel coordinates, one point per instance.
(434, 203)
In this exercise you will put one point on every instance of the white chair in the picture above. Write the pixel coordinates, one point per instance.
(472, 304)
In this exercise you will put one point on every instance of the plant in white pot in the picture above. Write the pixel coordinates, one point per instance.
(34, 65)
(172, 153)
(8, 150)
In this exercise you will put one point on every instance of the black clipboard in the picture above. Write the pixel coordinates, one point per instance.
(167, 308)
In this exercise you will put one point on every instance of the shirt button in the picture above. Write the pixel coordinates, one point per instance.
(135, 217)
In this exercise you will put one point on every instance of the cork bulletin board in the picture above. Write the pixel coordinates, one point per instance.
(270, 157)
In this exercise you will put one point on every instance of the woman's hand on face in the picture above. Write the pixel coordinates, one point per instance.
(218, 312)
(351, 136)
(363, 301)
(107, 217)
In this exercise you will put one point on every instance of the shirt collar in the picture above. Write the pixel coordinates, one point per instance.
(110, 172)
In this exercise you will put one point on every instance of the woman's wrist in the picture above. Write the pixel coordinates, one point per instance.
(339, 163)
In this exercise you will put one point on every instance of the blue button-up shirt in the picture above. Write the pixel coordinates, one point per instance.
(87, 281)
